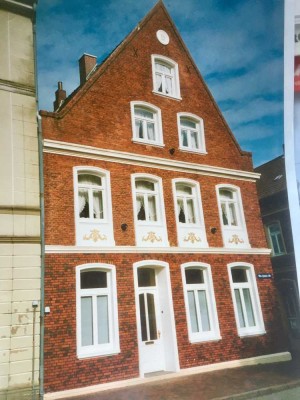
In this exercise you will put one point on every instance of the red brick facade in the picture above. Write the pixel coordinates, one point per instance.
(98, 115)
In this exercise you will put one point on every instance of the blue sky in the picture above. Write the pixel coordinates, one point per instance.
(236, 44)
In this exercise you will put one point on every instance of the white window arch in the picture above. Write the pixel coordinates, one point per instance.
(191, 132)
(96, 310)
(232, 217)
(200, 304)
(149, 212)
(93, 210)
(165, 76)
(245, 299)
(189, 213)
(146, 123)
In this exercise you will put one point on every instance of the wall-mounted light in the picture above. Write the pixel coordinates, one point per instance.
(213, 230)
(124, 227)
(172, 151)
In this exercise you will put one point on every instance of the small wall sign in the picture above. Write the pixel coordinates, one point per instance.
(264, 276)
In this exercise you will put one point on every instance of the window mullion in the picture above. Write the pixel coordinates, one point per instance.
(90, 195)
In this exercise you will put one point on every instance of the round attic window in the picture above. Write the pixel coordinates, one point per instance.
(163, 37)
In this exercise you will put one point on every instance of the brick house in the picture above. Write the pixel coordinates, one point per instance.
(153, 229)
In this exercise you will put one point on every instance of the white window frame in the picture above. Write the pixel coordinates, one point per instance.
(157, 119)
(199, 129)
(251, 284)
(113, 347)
(207, 286)
(195, 196)
(174, 74)
(105, 223)
(240, 228)
(270, 235)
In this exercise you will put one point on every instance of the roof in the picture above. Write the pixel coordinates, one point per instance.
(273, 178)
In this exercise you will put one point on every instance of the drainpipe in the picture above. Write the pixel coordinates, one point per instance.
(42, 216)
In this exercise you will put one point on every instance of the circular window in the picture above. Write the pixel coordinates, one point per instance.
(163, 37)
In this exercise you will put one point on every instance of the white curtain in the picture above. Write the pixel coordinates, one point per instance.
(150, 131)
(169, 89)
(190, 211)
(82, 199)
(97, 205)
(152, 208)
(194, 141)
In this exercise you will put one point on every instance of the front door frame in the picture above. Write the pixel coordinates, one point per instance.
(168, 329)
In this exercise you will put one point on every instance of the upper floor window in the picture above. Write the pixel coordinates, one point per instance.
(186, 203)
(93, 211)
(276, 239)
(97, 319)
(191, 132)
(165, 76)
(149, 210)
(146, 123)
(245, 298)
(200, 302)
(232, 216)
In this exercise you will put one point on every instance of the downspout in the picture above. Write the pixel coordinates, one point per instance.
(42, 215)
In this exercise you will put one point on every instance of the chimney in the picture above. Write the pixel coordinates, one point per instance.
(60, 96)
(86, 64)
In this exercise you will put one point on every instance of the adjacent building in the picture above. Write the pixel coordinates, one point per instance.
(19, 203)
(273, 198)
(156, 258)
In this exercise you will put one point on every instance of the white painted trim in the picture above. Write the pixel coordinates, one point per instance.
(157, 123)
(265, 359)
(94, 153)
(201, 136)
(57, 249)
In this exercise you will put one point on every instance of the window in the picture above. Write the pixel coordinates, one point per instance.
(276, 239)
(191, 132)
(189, 214)
(165, 76)
(232, 216)
(146, 123)
(97, 319)
(245, 298)
(149, 210)
(93, 211)
(200, 302)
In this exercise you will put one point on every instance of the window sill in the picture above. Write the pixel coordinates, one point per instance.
(147, 143)
(106, 353)
(188, 150)
(167, 95)
(205, 340)
(251, 334)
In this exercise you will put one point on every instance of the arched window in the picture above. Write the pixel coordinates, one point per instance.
(191, 132)
(165, 76)
(200, 302)
(245, 299)
(232, 216)
(93, 211)
(146, 123)
(186, 203)
(97, 319)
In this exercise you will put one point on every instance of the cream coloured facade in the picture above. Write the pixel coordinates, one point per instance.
(20, 249)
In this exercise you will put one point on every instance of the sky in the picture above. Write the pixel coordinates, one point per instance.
(237, 46)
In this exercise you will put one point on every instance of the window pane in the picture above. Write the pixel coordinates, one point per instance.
(150, 131)
(203, 311)
(233, 220)
(169, 85)
(191, 212)
(192, 310)
(142, 112)
(85, 179)
(152, 208)
(158, 82)
(83, 203)
(181, 215)
(151, 316)
(194, 140)
(146, 277)
(86, 321)
(194, 276)
(280, 243)
(249, 308)
(93, 279)
(226, 193)
(97, 205)
(239, 275)
(224, 214)
(239, 308)
(184, 139)
(163, 68)
(143, 317)
(102, 316)
(139, 133)
(141, 214)
(275, 244)
(187, 123)
(183, 189)
(144, 185)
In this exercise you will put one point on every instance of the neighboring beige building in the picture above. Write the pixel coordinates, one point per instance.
(20, 248)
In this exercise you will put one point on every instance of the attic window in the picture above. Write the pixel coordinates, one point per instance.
(165, 77)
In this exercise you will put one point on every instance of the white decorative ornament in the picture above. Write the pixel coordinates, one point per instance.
(163, 37)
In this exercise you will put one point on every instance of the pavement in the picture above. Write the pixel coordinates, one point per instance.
(264, 381)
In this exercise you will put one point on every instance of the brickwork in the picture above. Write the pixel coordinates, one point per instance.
(98, 115)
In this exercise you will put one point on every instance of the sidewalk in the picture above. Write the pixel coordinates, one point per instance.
(238, 383)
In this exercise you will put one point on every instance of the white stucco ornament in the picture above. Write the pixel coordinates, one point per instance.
(163, 37)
